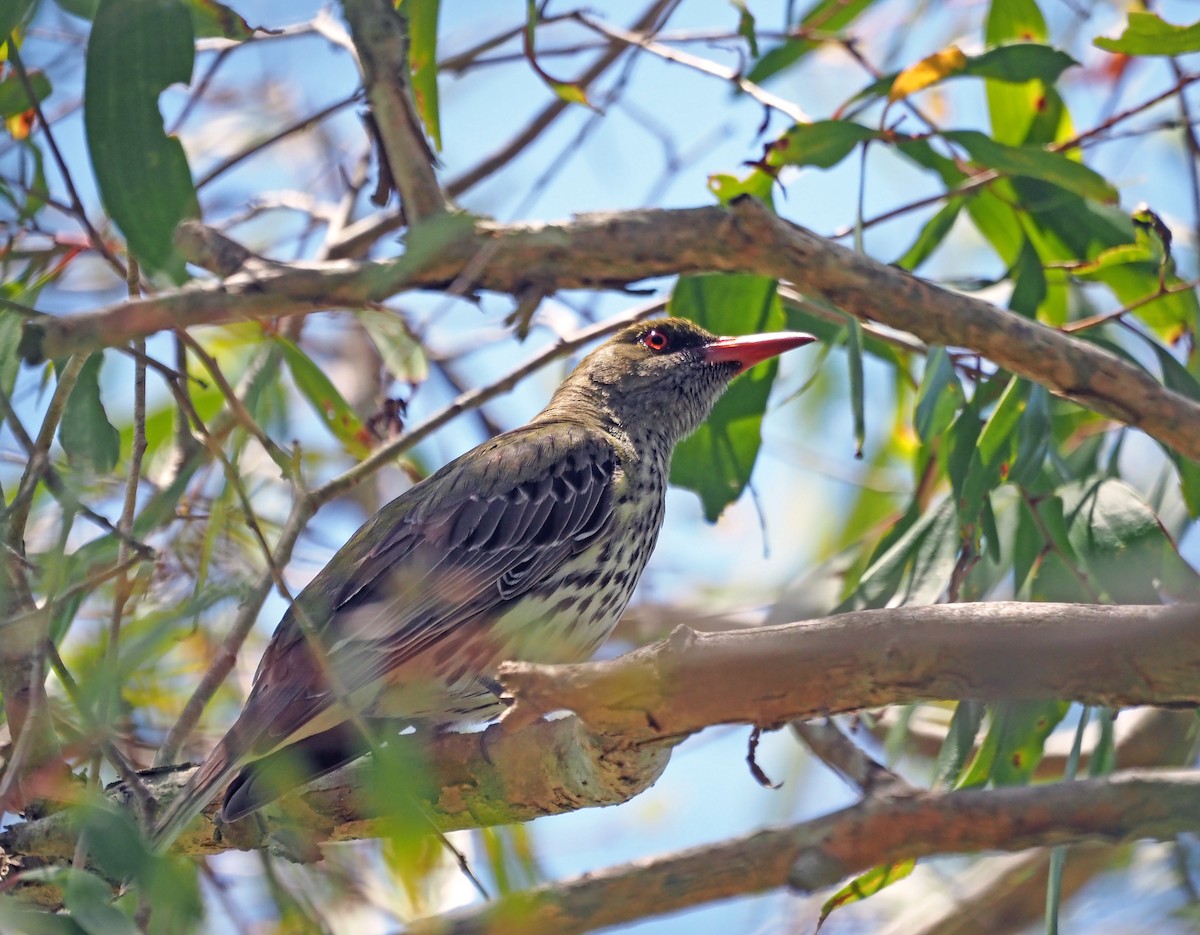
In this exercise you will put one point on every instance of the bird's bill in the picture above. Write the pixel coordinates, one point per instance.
(750, 349)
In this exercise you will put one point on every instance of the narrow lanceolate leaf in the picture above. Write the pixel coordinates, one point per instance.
(865, 885)
(1147, 34)
(422, 61)
(1034, 162)
(854, 358)
(1014, 743)
(92, 443)
(137, 49)
(928, 71)
(931, 236)
(329, 404)
(825, 16)
(939, 396)
(401, 355)
(716, 461)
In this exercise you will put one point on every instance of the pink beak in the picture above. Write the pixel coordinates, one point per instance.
(749, 349)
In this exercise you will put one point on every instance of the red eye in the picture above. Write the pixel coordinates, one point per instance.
(656, 340)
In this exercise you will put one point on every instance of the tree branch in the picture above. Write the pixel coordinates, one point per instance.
(633, 710)
(616, 250)
(1095, 654)
(820, 853)
(380, 37)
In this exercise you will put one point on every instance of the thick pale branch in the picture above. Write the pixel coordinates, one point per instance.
(820, 853)
(1097, 654)
(499, 776)
(616, 250)
(636, 708)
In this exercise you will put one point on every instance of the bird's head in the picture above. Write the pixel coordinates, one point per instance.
(667, 373)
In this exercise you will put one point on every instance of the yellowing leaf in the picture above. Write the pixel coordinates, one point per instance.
(930, 70)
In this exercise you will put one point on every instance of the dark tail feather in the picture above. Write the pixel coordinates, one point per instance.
(293, 767)
(200, 789)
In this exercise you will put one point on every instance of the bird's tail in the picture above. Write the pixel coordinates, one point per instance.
(201, 788)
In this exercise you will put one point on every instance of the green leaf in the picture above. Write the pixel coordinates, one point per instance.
(717, 460)
(939, 396)
(866, 885)
(915, 568)
(13, 98)
(1018, 62)
(136, 50)
(1034, 162)
(10, 361)
(401, 355)
(169, 883)
(328, 403)
(213, 20)
(998, 430)
(422, 61)
(824, 143)
(1147, 34)
(92, 443)
(1034, 435)
(932, 234)
(17, 917)
(12, 15)
(826, 16)
(745, 27)
(1177, 378)
(1014, 743)
(89, 901)
(726, 187)
(854, 360)
(1120, 539)
(956, 749)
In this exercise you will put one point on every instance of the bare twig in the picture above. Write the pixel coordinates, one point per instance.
(381, 38)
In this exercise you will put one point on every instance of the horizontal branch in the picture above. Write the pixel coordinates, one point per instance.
(499, 776)
(817, 854)
(633, 710)
(617, 250)
(1095, 654)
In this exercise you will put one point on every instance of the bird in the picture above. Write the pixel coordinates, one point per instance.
(527, 547)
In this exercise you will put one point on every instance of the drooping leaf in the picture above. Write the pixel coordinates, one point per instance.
(913, 568)
(865, 885)
(92, 443)
(931, 236)
(1034, 162)
(1149, 34)
(401, 355)
(136, 49)
(422, 61)
(342, 422)
(939, 396)
(1014, 743)
(824, 17)
(854, 361)
(716, 461)
(959, 744)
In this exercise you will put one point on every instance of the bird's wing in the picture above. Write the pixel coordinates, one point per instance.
(477, 535)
